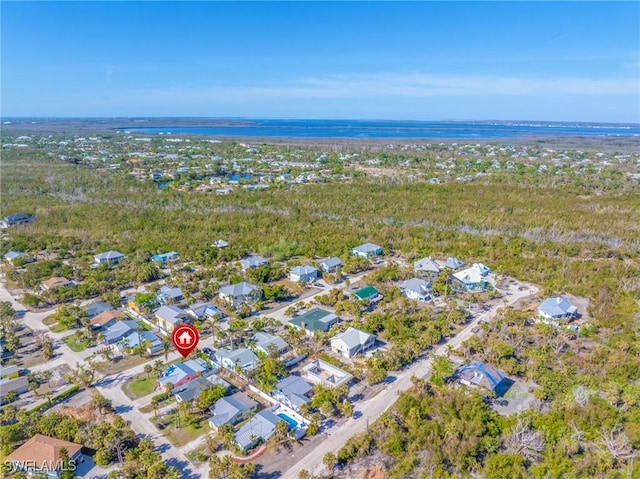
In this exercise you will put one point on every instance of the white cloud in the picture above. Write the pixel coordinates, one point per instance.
(409, 85)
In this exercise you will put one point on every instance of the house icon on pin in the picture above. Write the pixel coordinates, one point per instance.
(185, 339)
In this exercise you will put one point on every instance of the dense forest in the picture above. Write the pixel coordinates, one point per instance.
(580, 237)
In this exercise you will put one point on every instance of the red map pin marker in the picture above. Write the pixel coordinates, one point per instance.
(185, 338)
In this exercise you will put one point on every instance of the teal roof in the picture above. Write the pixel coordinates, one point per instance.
(367, 292)
(315, 319)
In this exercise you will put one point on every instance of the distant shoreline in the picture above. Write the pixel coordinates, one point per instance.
(111, 126)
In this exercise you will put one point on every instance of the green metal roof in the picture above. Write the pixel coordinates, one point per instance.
(311, 319)
(367, 292)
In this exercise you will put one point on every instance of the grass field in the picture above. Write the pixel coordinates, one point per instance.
(75, 345)
(139, 386)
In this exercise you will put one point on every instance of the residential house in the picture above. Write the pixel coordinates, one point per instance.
(121, 329)
(152, 343)
(321, 372)
(453, 263)
(480, 374)
(167, 294)
(95, 309)
(168, 317)
(330, 265)
(181, 373)
(351, 342)
(367, 250)
(472, 279)
(314, 320)
(240, 293)
(306, 274)
(14, 220)
(165, 257)
(368, 294)
(242, 358)
(427, 267)
(258, 429)
(106, 319)
(42, 454)
(231, 410)
(252, 262)
(417, 289)
(108, 257)
(204, 310)
(56, 282)
(17, 385)
(11, 256)
(556, 308)
(293, 391)
(266, 343)
(220, 244)
(193, 389)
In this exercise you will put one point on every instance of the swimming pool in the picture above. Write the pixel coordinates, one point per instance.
(291, 422)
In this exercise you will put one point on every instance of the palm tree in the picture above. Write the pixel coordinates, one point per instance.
(166, 346)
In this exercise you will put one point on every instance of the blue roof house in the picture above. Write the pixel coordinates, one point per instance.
(477, 374)
(453, 263)
(167, 294)
(165, 257)
(557, 308)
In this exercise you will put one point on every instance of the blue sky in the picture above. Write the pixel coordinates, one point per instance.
(571, 61)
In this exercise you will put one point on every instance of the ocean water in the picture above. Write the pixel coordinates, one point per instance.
(393, 129)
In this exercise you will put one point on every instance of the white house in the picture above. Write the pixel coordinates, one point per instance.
(321, 372)
(472, 279)
(351, 342)
(416, 288)
(367, 250)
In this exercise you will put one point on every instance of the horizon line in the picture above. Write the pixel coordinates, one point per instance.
(3, 119)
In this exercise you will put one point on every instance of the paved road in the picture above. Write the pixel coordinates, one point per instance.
(374, 407)
(110, 387)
